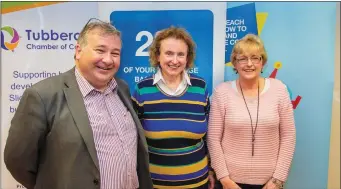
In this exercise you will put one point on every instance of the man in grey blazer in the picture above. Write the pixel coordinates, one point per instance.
(78, 130)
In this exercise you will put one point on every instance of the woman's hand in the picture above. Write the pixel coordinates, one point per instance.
(211, 181)
(273, 184)
(228, 183)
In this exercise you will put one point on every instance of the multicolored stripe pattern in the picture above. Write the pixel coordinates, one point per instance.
(175, 128)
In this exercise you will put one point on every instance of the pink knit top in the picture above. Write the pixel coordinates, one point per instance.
(229, 133)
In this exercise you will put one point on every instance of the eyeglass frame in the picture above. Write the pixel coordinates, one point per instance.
(253, 59)
(98, 20)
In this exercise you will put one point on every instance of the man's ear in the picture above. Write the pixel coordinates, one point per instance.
(78, 51)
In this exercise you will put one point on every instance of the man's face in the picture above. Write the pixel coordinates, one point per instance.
(99, 59)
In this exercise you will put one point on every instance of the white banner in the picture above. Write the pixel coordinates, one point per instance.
(37, 43)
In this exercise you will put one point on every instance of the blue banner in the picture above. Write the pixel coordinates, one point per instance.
(240, 21)
(139, 27)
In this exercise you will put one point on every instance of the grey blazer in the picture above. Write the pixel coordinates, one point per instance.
(50, 143)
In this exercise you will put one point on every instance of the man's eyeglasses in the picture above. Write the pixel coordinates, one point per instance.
(245, 60)
(92, 20)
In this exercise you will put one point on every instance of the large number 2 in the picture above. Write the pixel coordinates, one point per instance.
(141, 51)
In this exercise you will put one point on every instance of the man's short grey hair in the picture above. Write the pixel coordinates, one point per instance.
(106, 28)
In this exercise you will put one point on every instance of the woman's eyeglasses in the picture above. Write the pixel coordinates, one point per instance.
(253, 59)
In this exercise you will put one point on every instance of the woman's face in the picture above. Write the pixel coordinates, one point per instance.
(173, 56)
(249, 65)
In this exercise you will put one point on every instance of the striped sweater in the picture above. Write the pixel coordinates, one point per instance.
(229, 134)
(175, 128)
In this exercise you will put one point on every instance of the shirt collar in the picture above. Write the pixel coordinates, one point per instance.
(158, 77)
(85, 87)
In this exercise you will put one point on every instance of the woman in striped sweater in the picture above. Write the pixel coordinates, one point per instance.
(251, 135)
(173, 107)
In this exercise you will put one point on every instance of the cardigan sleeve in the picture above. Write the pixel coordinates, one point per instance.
(215, 132)
(287, 134)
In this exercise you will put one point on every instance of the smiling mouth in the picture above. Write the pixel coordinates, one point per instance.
(103, 68)
(248, 70)
(174, 66)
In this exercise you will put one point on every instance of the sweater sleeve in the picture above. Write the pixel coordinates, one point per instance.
(207, 111)
(214, 135)
(287, 133)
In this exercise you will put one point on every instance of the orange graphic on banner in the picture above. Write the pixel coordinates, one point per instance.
(8, 7)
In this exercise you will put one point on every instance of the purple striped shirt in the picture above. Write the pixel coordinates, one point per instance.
(115, 135)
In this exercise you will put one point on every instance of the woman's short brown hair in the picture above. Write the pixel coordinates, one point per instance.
(172, 32)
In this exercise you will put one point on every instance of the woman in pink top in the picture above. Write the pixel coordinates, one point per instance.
(251, 134)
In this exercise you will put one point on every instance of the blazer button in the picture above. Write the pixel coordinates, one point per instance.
(96, 182)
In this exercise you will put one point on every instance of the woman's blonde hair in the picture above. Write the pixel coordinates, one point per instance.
(176, 33)
(249, 43)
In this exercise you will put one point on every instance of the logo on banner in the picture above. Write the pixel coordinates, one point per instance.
(13, 43)
(38, 40)
(50, 40)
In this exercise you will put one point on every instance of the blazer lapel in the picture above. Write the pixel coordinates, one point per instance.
(77, 108)
(127, 102)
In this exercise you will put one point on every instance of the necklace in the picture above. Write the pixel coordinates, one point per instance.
(253, 131)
